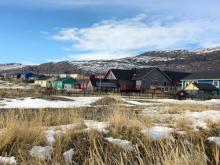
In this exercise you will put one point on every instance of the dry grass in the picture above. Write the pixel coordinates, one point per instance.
(176, 108)
(24, 129)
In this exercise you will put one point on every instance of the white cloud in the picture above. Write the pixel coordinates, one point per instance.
(119, 38)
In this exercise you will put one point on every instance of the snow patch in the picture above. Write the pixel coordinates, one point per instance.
(7, 160)
(122, 143)
(198, 118)
(173, 101)
(52, 132)
(159, 132)
(68, 156)
(42, 103)
(215, 140)
(99, 126)
(42, 153)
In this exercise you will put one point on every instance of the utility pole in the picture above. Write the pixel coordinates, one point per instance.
(100, 83)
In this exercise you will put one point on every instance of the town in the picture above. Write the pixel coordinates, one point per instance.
(152, 81)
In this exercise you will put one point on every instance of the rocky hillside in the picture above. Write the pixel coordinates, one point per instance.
(178, 60)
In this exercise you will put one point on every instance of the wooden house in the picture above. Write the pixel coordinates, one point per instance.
(59, 83)
(151, 78)
(206, 77)
(78, 86)
(123, 78)
(45, 82)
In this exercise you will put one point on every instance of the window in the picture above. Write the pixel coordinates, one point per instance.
(216, 83)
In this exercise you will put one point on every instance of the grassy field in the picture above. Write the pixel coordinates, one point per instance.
(110, 131)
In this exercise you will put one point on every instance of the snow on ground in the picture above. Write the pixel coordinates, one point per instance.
(42, 153)
(215, 140)
(99, 126)
(159, 132)
(199, 118)
(52, 132)
(7, 160)
(68, 156)
(133, 102)
(174, 101)
(9, 85)
(122, 143)
(156, 102)
(42, 103)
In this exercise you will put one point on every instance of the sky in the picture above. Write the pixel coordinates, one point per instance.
(40, 31)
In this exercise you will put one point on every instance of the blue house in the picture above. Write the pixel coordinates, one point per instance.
(26, 76)
(211, 78)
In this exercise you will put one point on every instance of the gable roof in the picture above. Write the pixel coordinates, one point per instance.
(176, 76)
(206, 75)
(205, 86)
(122, 74)
(141, 72)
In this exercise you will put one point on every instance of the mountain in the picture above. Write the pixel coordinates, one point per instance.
(11, 66)
(177, 60)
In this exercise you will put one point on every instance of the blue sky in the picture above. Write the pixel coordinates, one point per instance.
(38, 31)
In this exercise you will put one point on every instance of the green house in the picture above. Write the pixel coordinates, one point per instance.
(59, 83)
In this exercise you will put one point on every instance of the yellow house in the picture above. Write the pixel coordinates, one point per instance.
(201, 88)
(45, 82)
(75, 76)
(192, 87)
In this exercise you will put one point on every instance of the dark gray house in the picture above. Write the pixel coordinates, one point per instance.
(142, 79)
(151, 78)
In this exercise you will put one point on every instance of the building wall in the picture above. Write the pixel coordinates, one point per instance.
(154, 78)
(58, 85)
(127, 85)
(42, 83)
(110, 76)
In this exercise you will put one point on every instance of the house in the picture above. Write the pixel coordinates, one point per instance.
(78, 86)
(151, 78)
(201, 89)
(205, 77)
(59, 83)
(26, 76)
(104, 85)
(142, 79)
(45, 82)
(123, 78)
(11, 76)
(176, 78)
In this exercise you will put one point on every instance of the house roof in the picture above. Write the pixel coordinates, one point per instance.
(205, 86)
(141, 72)
(176, 76)
(123, 74)
(206, 75)
(80, 81)
(104, 83)
(43, 78)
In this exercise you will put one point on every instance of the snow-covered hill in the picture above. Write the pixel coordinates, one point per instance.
(11, 66)
(176, 60)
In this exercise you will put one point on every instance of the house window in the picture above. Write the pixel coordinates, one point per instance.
(165, 83)
(216, 83)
